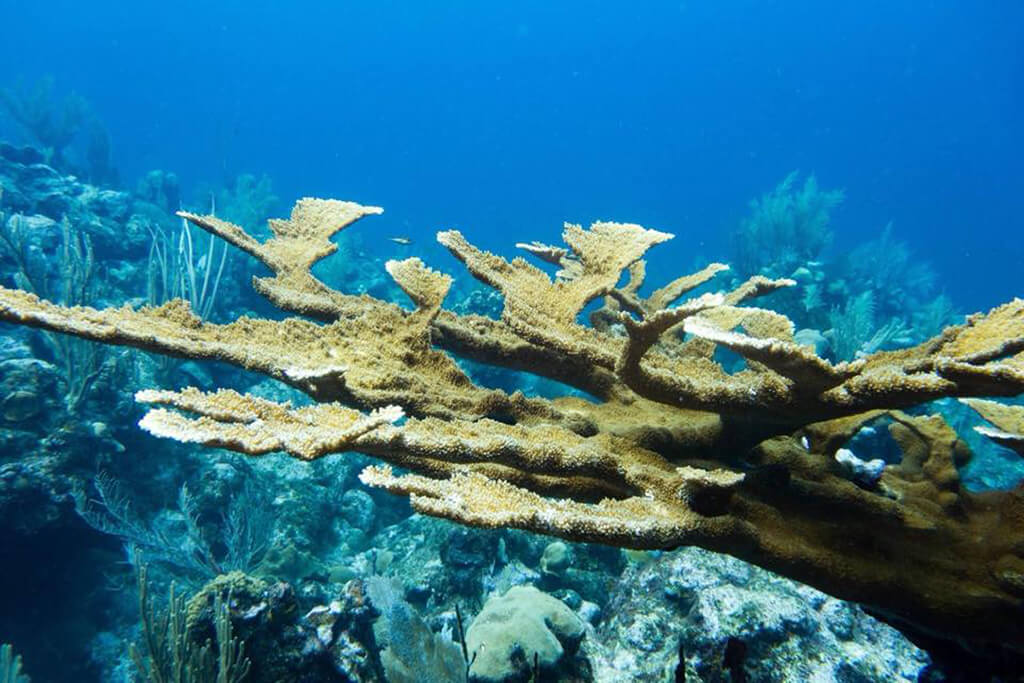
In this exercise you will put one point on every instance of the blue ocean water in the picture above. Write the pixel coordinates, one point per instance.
(502, 120)
(510, 118)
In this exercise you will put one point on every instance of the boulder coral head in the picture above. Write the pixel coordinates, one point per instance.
(519, 630)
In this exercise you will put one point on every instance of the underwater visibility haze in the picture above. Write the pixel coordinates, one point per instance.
(527, 341)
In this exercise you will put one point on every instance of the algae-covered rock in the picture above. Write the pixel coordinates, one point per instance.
(556, 559)
(30, 393)
(514, 629)
(467, 553)
(286, 641)
(722, 615)
(247, 596)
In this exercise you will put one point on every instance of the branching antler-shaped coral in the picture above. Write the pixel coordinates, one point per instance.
(674, 449)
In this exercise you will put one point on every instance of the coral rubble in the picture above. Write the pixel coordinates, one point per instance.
(675, 450)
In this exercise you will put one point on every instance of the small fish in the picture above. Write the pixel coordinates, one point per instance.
(401, 240)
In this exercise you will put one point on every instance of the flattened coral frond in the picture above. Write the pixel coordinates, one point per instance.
(643, 334)
(536, 309)
(569, 267)
(990, 337)
(667, 295)
(784, 381)
(786, 358)
(545, 458)
(535, 304)
(757, 286)
(808, 386)
(1008, 422)
(297, 244)
(254, 426)
(478, 500)
(364, 360)
(627, 296)
(494, 342)
(545, 252)
(755, 322)
(426, 287)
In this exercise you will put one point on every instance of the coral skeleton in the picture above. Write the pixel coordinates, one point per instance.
(669, 449)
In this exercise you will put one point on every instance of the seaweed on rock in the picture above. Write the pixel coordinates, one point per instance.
(674, 451)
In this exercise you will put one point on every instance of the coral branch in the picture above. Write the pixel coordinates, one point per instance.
(255, 426)
(297, 244)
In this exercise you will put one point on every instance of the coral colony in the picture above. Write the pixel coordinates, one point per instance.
(673, 446)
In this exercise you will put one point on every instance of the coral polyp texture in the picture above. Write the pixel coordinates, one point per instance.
(671, 448)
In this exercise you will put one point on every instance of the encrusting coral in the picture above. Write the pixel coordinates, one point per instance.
(672, 450)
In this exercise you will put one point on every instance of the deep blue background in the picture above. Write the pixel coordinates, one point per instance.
(505, 119)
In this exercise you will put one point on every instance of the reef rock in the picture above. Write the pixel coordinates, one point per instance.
(722, 615)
